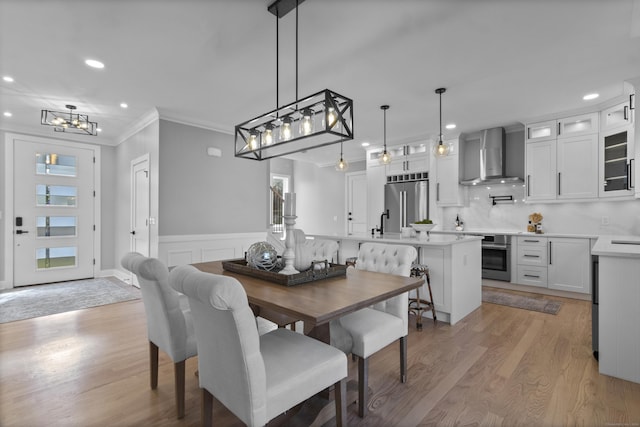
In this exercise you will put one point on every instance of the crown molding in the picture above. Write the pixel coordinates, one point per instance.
(138, 124)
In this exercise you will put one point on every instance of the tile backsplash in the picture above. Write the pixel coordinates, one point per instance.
(592, 218)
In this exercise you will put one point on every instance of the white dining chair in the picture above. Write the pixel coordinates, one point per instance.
(169, 322)
(257, 377)
(373, 328)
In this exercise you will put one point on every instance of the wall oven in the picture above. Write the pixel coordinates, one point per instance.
(496, 257)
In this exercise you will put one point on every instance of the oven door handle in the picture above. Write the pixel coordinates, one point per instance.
(504, 247)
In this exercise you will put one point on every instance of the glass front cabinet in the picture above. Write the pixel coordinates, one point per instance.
(617, 163)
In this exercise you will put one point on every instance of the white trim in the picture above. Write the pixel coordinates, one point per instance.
(190, 122)
(139, 124)
(9, 141)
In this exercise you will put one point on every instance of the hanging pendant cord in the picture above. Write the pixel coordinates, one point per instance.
(296, 53)
(277, 67)
(440, 136)
(385, 130)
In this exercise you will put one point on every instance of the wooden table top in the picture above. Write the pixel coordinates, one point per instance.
(318, 302)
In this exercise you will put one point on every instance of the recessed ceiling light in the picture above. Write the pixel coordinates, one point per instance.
(590, 96)
(94, 63)
(7, 114)
(99, 130)
(451, 126)
(8, 79)
(124, 105)
(365, 144)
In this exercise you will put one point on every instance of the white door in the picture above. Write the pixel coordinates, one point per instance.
(357, 203)
(53, 213)
(140, 205)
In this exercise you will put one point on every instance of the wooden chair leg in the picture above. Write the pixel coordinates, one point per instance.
(341, 402)
(363, 386)
(153, 365)
(403, 359)
(179, 374)
(206, 409)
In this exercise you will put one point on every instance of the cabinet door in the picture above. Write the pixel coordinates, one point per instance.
(397, 166)
(434, 259)
(616, 164)
(616, 116)
(541, 131)
(578, 125)
(577, 162)
(541, 180)
(569, 266)
(447, 186)
(418, 162)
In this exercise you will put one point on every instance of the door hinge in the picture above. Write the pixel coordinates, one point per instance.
(94, 160)
(94, 261)
(94, 193)
(94, 227)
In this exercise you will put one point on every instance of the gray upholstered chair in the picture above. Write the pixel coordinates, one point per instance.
(169, 323)
(257, 377)
(375, 327)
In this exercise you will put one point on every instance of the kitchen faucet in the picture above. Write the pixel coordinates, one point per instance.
(381, 229)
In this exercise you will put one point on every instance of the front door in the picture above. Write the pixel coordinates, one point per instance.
(53, 213)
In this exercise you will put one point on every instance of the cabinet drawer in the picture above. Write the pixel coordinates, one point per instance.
(532, 240)
(532, 255)
(532, 276)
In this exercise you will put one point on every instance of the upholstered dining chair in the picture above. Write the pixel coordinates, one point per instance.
(169, 322)
(257, 377)
(375, 327)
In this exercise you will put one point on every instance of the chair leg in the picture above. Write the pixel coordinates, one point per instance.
(433, 306)
(363, 386)
(178, 372)
(403, 359)
(341, 402)
(206, 409)
(153, 364)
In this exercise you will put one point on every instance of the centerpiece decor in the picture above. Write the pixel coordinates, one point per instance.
(423, 227)
(290, 240)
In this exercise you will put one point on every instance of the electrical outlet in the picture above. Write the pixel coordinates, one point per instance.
(605, 220)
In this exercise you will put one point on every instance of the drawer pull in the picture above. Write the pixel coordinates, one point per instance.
(531, 256)
(531, 275)
(531, 241)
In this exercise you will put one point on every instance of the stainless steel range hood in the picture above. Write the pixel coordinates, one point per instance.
(492, 160)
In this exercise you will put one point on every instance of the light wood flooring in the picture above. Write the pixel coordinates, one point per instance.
(500, 366)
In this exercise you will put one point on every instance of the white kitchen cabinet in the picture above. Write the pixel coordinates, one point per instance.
(434, 258)
(564, 166)
(448, 190)
(619, 115)
(408, 159)
(577, 163)
(617, 162)
(569, 266)
(540, 165)
(541, 131)
(554, 262)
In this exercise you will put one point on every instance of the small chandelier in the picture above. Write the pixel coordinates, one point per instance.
(342, 165)
(321, 119)
(441, 150)
(385, 156)
(69, 122)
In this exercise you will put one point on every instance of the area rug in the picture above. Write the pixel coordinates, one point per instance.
(43, 300)
(519, 301)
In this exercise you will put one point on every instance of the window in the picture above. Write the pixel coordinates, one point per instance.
(279, 186)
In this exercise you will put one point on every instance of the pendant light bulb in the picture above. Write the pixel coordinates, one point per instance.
(286, 131)
(252, 142)
(267, 136)
(306, 122)
(342, 164)
(385, 156)
(442, 149)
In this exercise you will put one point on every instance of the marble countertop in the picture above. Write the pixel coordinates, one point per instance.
(482, 232)
(433, 240)
(617, 246)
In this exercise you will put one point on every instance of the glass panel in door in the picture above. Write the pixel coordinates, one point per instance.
(615, 162)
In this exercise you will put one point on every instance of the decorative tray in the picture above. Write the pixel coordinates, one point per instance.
(310, 275)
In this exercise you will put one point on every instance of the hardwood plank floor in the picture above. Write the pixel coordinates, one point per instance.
(500, 366)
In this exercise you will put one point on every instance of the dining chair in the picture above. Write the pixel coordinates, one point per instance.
(169, 322)
(257, 377)
(375, 327)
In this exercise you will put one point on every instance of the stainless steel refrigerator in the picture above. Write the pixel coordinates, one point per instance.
(407, 202)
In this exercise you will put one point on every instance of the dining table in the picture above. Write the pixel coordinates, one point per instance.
(318, 302)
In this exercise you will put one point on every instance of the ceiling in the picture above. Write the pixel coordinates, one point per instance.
(213, 63)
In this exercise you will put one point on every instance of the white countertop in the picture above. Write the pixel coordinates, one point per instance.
(484, 232)
(617, 246)
(434, 239)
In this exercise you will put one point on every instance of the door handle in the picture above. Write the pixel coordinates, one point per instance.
(22, 232)
(133, 232)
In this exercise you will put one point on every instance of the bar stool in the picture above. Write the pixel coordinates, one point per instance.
(416, 305)
(351, 261)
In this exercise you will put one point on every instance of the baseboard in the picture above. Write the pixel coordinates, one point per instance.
(534, 289)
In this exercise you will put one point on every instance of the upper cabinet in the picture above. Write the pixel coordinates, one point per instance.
(561, 159)
(617, 116)
(408, 159)
(617, 151)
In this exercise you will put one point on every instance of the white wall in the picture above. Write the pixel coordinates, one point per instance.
(572, 218)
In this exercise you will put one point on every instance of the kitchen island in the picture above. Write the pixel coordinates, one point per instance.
(455, 268)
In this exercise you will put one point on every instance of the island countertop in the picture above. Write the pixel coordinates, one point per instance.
(396, 238)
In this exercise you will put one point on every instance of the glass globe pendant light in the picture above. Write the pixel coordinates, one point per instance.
(385, 156)
(442, 149)
(342, 164)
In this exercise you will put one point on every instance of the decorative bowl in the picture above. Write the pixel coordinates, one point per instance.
(423, 229)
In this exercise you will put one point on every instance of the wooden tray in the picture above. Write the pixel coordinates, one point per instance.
(311, 275)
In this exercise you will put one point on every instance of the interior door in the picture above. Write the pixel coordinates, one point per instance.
(140, 205)
(54, 213)
(357, 203)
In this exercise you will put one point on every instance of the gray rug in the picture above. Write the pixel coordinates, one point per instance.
(518, 301)
(43, 300)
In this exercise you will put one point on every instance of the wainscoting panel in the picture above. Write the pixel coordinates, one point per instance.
(189, 249)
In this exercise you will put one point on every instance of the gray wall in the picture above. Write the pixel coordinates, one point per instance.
(2, 207)
(200, 194)
(108, 174)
